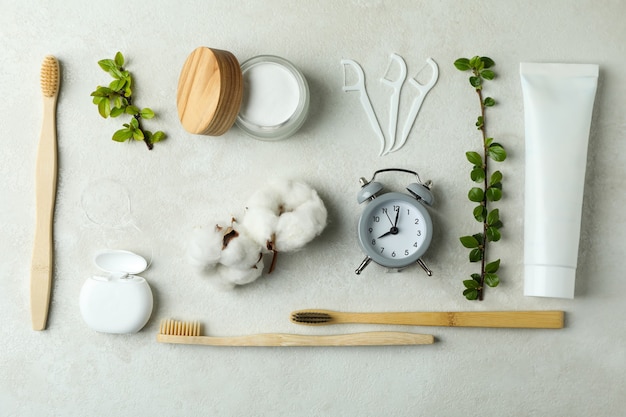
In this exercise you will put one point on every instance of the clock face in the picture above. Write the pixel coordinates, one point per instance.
(395, 230)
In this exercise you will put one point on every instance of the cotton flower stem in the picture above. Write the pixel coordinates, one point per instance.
(270, 246)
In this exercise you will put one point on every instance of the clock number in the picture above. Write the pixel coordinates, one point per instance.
(382, 250)
(406, 252)
(415, 245)
(373, 242)
(417, 221)
(419, 232)
(376, 219)
(393, 254)
(371, 230)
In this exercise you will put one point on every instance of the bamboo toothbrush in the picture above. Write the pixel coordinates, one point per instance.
(45, 189)
(510, 319)
(189, 333)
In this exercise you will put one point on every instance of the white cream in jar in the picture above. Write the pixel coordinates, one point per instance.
(275, 98)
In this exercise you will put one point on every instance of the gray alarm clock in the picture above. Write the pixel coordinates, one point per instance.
(395, 229)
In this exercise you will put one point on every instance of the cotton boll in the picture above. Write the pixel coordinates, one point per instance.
(205, 248)
(240, 251)
(295, 229)
(269, 197)
(238, 276)
(260, 224)
(286, 214)
(226, 255)
(296, 194)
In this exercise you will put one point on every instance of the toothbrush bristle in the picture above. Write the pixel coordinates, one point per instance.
(311, 317)
(179, 328)
(50, 76)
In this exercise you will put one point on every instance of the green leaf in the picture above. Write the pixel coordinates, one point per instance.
(116, 111)
(101, 92)
(146, 113)
(119, 59)
(117, 101)
(104, 108)
(117, 85)
(493, 234)
(138, 134)
(96, 100)
(493, 194)
(471, 294)
(107, 64)
(469, 242)
(470, 283)
(494, 216)
(480, 122)
(475, 81)
(132, 110)
(488, 74)
(475, 62)
(476, 195)
(475, 255)
(134, 124)
(496, 152)
(122, 135)
(477, 174)
(497, 225)
(487, 62)
(474, 158)
(476, 277)
(462, 64)
(492, 280)
(489, 102)
(116, 73)
(157, 137)
(492, 267)
(496, 177)
(480, 213)
(479, 237)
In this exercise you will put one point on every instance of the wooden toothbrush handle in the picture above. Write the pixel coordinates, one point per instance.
(504, 319)
(283, 339)
(45, 194)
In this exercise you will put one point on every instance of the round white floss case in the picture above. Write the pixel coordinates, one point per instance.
(119, 302)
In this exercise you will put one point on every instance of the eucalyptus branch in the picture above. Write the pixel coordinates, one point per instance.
(491, 189)
(116, 99)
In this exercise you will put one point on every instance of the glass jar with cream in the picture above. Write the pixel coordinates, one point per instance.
(267, 96)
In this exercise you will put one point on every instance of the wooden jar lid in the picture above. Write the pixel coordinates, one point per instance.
(210, 89)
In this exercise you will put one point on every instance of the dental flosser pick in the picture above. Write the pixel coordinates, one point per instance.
(365, 101)
(395, 97)
(417, 102)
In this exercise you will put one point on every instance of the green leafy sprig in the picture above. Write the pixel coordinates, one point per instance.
(116, 99)
(490, 189)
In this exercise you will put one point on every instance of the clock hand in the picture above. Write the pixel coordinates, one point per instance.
(387, 214)
(397, 215)
(385, 234)
(393, 231)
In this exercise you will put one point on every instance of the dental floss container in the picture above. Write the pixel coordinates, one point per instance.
(267, 96)
(119, 302)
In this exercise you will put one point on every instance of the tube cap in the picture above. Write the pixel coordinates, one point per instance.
(549, 281)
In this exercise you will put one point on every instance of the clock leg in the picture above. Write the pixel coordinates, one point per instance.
(361, 267)
(424, 267)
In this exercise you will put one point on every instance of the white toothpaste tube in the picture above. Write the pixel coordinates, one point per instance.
(558, 103)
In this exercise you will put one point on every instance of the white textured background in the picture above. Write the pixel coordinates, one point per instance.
(69, 370)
